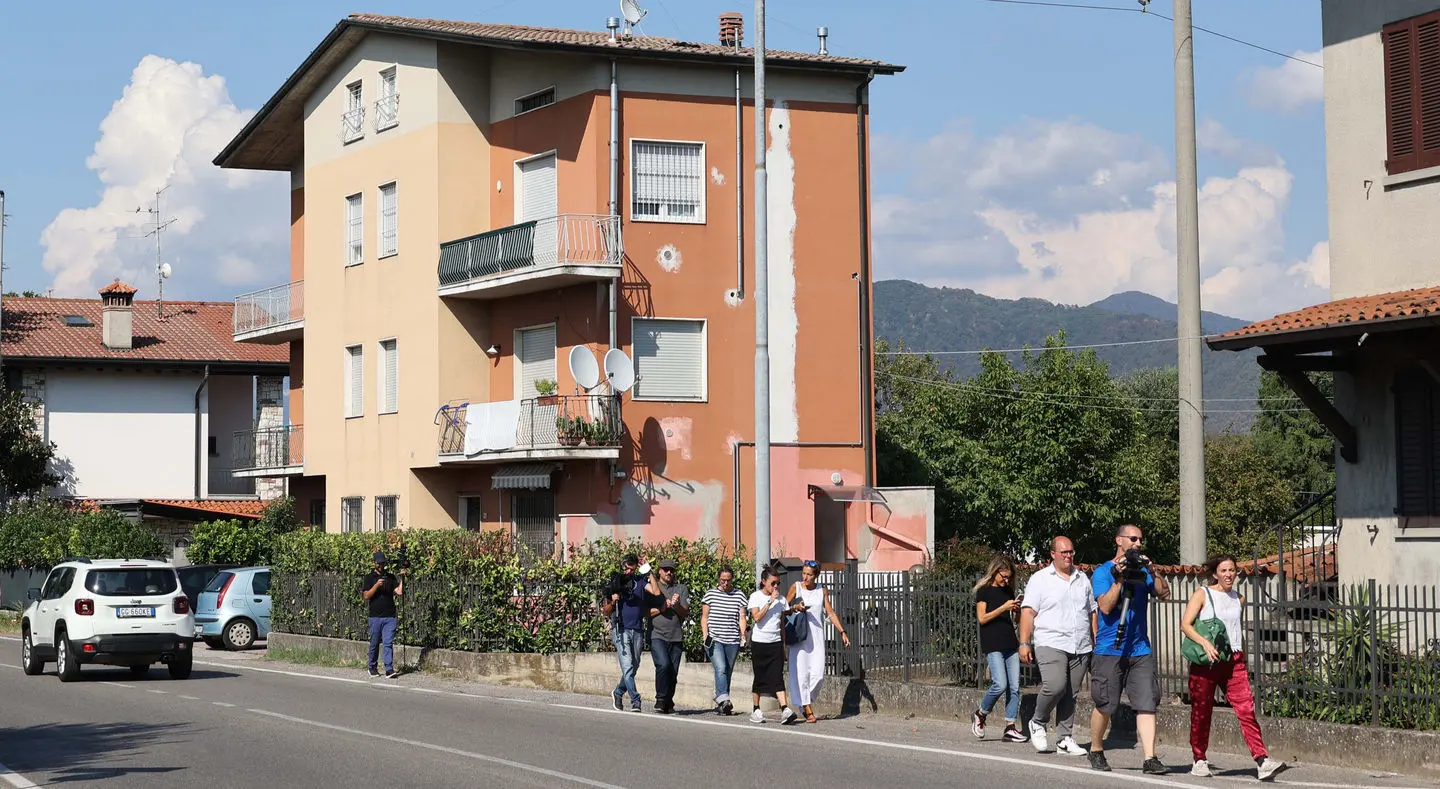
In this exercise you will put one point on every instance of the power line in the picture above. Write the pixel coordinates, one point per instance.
(978, 387)
(1047, 398)
(1144, 9)
(1045, 347)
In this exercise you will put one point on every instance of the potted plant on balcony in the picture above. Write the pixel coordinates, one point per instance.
(569, 430)
(597, 434)
(547, 388)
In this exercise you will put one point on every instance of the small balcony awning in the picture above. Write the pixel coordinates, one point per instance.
(848, 493)
(523, 476)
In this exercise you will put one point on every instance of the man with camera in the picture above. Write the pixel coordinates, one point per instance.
(668, 602)
(624, 606)
(1123, 659)
(380, 588)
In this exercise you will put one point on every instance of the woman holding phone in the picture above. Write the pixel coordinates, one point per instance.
(996, 607)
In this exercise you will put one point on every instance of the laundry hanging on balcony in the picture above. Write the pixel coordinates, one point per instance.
(490, 427)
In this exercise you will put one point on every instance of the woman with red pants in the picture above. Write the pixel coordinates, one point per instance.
(1220, 600)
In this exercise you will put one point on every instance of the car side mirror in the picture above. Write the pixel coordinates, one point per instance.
(32, 593)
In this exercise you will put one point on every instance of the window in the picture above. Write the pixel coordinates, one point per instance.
(669, 359)
(260, 583)
(1412, 93)
(132, 581)
(350, 513)
(317, 514)
(214, 447)
(534, 524)
(352, 123)
(355, 375)
(472, 512)
(387, 108)
(389, 377)
(667, 182)
(536, 350)
(355, 225)
(389, 228)
(77, 320)
(535, 101)
(385, 512)
(1417, 444)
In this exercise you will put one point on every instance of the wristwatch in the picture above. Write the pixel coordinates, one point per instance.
(1026, 644)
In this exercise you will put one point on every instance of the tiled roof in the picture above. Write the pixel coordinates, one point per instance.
(119, 287)
(191, 332)
(1356, 311)
(600, 39)
(234, 509)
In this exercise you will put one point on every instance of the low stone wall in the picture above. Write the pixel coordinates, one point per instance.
(1289, 739)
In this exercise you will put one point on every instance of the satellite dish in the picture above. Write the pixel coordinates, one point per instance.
(165, 271)
(619, 370)
(632, 12)
(583, 368)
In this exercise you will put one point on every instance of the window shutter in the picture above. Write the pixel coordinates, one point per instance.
(1427, 98)
(388, 220)
(537, 360)
(669, 359)
(668, 181)
(1415, 445)
(389, 395)
(356, 370)
(355, 216)
(1412, 93)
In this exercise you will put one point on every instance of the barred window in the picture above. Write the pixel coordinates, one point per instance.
(350, 513)
(667, 182)
(385, 512)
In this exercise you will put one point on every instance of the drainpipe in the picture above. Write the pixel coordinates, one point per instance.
(199, 444)
(867, 378)
(739, 194)
(735, 470)
(614, 184)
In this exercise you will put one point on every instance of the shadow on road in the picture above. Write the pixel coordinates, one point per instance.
(156, 674)
(85, 751)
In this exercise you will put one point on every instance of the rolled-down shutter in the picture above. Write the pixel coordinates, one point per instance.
(355, 369)
(390, 392)
(1417, 445)
(537, 360)
(669, 359)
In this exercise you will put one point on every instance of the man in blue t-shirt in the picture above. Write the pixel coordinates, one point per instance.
(624, 606)
(1124, 663)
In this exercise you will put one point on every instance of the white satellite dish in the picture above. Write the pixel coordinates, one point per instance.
(619, 370)
(632, 12)
(583, 368)
(165, 270)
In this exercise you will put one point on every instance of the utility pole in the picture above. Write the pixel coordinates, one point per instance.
(1187, 229)
(762, 310)
(2, 280)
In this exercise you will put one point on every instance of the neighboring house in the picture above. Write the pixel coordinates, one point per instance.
(459, 229)
(142, 400)
(1382, 118)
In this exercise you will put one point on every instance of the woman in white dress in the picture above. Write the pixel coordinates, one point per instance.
(807, 659)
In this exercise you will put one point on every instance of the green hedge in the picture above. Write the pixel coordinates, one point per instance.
(38, 535)
(471, 591)
(243, 542)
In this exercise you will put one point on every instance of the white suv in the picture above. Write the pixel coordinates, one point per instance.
(116, 612)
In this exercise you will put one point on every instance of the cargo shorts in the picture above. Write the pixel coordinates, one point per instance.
(1136, 677)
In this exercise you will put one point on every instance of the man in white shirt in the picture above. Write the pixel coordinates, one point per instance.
(1057, 630)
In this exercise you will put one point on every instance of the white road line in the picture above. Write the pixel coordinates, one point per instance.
(118, 685)
(150, 690)
(443, 749)
(222, 704)
(15, 779)
(188, 698)
(7, 665)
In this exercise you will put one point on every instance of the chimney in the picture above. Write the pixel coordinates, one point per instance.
(117, 315)
(732, 29)
(823, 33)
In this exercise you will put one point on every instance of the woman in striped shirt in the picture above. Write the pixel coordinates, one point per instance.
(723, 625)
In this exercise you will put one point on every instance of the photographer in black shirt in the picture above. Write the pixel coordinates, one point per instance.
(380, 588)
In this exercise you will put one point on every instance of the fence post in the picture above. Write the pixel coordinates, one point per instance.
(1374, 655)
(906, 618)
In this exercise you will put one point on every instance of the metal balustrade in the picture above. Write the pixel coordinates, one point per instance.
(563, 240)
(269, 448)
(544, 423)
(272, 308)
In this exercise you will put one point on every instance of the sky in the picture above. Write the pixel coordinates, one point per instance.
(1026, 151)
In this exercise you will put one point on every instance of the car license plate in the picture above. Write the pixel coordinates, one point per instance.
(130, 613)
(199, 630)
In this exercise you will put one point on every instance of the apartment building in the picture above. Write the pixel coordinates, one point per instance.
(1378, 335)
(474, 205)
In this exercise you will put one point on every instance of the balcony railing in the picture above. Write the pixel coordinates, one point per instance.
(269, 448)
(564, 240)
(555, 422)
(387, 112)
(352, 125)
(272, 309)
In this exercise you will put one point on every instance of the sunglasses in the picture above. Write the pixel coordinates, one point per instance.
(1131, 538)
(811, 563)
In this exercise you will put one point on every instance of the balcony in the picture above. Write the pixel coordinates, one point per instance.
(269, 452)
(559, 427)
(352, 125)
(387, 112)
(544, 254)
(271, 316)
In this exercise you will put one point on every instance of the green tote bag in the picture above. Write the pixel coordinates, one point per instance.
(1213, 629)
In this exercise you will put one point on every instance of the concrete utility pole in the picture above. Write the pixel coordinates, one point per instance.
(1187, 229)
(762, 311)
(2, 271)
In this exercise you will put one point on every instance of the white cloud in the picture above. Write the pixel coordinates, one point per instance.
(163, 131)
(1287, 88)
(1074, 223)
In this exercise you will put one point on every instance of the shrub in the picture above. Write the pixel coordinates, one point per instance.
(40, 534)
(246, 543)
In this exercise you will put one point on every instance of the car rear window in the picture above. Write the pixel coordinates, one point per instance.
(218, 581)
(131, 581)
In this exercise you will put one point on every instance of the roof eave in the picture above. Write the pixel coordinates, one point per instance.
(233, 366)
(1314, 334)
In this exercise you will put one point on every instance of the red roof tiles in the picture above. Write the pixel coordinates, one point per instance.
(191, 332)
(119, 287)
(235, 509)
(1367, 310)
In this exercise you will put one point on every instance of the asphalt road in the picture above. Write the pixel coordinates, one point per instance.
(244, 721)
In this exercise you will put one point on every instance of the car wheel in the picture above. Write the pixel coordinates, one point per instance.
(31, 664)
(181, 666)
(239, 634)
(66, 661)
(140, 672)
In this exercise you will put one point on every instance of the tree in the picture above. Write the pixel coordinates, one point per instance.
(1290, 437)
(25, 456)
(1245, 495)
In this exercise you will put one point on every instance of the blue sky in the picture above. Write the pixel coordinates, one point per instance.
(1023, 152)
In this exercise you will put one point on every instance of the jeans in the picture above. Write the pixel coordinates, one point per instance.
(1004, 678)
(382, 628)
(666, 655)
(627, 649)
(1234, 676)
(722, 659)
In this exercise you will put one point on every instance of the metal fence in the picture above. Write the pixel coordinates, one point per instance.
(544, 422)
(566, 239)
(270, 308)
(268, 448)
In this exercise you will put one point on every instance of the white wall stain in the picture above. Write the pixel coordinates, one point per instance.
(732, 298)
(780, 248)
(717, 176)
(642, 504)
(669, 258)
(731, 442)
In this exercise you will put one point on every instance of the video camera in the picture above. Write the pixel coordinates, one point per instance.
(401, 559)
(1135, 565)
(617, 583)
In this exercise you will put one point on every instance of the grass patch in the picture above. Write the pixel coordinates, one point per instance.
(310, 657)
(9, 621)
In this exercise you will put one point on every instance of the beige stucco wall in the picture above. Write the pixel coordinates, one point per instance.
(1382, 234)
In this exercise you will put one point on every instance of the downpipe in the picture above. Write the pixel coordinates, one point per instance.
(199, 445)
(735, 470)
(867, 361)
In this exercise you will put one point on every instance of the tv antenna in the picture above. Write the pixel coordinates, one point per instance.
(162, 270)
(633, 13)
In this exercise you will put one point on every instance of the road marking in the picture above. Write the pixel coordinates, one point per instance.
(118, 685)
(368, 683)
(13, 778)
(161, 692)
(188, 698)
(443, 749)
(221, 704)
(7, 665)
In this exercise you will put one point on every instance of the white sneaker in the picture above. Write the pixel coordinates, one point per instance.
(1200, 769)
(1037, 736)
(1269, 767)
(787, 715)
(757, 717)
(1069, 746)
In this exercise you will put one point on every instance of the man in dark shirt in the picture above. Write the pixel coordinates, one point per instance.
(624, 606)
(668, 602)
(380, 588)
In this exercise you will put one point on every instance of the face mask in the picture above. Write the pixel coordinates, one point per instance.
(645, 569)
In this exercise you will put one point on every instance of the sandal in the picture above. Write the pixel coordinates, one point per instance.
(810, 717)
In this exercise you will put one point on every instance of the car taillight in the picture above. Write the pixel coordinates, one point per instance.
(182, 605)
(220, 599)
(85, 607)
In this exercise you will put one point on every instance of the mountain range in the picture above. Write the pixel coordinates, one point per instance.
(954, 319)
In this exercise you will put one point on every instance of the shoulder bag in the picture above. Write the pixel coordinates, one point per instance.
(1212, 629)
(797, 625)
